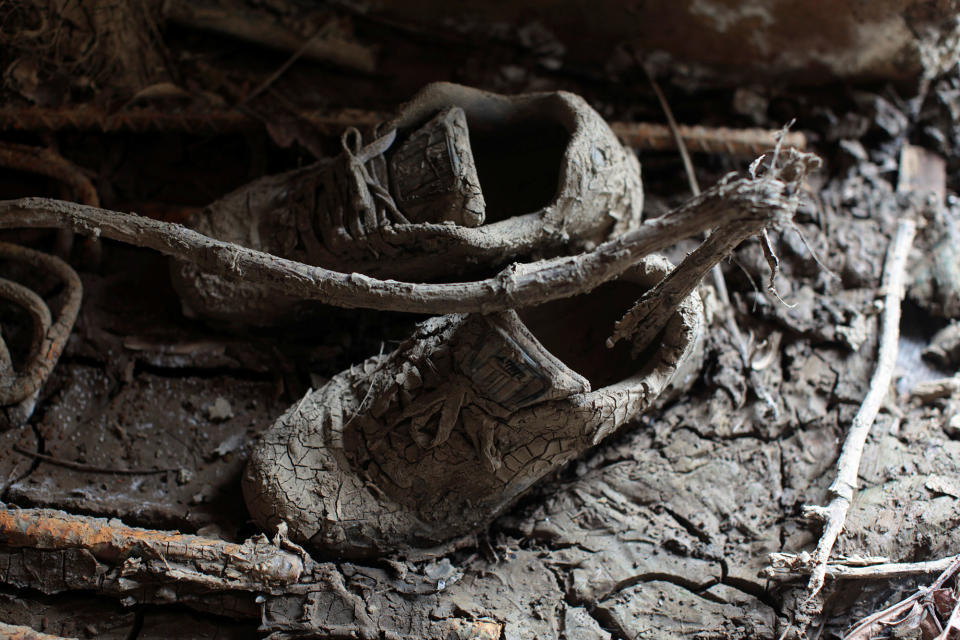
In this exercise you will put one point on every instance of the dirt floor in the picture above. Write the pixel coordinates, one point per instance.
(661, 531)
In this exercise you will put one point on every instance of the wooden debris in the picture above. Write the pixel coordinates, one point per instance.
(258, 27)
(922, 171)
(908, 612)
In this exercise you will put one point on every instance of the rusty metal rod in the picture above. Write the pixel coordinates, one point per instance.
(741, 143)
(110, 541)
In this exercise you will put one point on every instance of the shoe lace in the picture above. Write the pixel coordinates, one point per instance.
(369, 157)
(455, 402)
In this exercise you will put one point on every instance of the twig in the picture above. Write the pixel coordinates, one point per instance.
(42, 361)
(719, 282)
(904, 605)
(86, 468)
(744, 201)
(209, 562)
(48, 163)
(675, 133)
(848, 465)
(296, 55)
(788, 565)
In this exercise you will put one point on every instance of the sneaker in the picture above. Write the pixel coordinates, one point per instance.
(459, 184)
(436, 439)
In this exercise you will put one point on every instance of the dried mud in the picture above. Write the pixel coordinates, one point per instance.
(659, 532)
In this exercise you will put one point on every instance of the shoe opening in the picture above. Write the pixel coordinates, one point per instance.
(518, 165)
(576, 329)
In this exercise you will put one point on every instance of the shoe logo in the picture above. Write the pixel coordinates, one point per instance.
(505, 373)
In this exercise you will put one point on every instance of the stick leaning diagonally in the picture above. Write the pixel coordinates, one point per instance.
(848, 465)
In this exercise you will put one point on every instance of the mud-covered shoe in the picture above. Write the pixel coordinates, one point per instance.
(459, 184)
(437, 438)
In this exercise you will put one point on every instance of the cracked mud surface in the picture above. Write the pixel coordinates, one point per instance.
(660, 532)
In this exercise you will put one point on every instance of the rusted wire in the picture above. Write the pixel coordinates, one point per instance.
(43, 358)
(17, 632)
(214, 563)
(40, 316)
(741, 143)
(48, 163)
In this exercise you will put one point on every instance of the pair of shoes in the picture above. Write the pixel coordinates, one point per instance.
(460, 183)
(436, 439)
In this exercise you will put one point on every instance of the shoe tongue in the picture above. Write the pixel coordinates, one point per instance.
(433, 174)
(507, 362)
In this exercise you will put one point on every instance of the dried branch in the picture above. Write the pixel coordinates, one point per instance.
(848, 465)
(277, 583)
(644, 321)
(746, 201)
(719, 282)
(787, 566)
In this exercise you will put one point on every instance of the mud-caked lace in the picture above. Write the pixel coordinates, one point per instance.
(347, 200)
(456, 401)
(371, 157)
